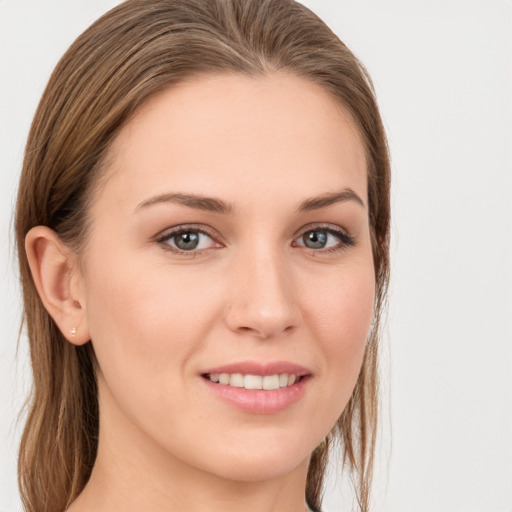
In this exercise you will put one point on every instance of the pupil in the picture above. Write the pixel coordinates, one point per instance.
(315, 239)
(187, 241)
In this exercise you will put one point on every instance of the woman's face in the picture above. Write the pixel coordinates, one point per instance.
(229, 250)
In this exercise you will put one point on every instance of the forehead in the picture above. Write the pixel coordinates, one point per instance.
(237, 136)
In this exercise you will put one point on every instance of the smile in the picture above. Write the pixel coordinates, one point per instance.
(258, 388)
(266, 382)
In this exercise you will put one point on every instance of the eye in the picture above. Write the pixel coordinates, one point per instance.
(187, 239)
(323, 238)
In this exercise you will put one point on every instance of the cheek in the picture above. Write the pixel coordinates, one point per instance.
(343, 315)
(145, 323)
(343, 309)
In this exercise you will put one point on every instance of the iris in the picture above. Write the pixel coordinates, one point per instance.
(315, 239)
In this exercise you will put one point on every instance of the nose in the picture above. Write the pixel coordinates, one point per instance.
(262, 299)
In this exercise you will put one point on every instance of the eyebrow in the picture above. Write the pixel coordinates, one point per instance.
(209, 204)
(212, 204)
(315, 203)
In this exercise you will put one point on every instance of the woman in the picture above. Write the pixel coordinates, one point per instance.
(204, 207)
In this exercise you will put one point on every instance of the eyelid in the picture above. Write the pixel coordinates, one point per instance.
(345, 238)
(168, 233)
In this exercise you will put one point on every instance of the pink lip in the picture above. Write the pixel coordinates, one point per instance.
(258, 401)
(257, 368)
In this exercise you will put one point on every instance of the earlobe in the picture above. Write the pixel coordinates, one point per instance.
(55, 275)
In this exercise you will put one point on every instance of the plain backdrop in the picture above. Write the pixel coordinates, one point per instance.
(443, 75)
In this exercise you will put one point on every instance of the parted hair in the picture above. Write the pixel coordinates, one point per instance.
(133, 52)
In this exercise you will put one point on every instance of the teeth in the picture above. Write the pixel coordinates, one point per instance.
(253, 382)
(236, 380)
(267, 382)
(271, 382)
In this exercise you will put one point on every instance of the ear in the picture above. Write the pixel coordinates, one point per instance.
(58, 281)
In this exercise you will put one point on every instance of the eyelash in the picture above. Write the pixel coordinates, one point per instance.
(189, 228)
(345, 240)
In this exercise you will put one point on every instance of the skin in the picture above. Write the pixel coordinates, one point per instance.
(253, 291)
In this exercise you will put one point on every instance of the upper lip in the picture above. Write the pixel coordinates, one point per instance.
(260, 368)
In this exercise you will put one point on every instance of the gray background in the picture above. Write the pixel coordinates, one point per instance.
(443, 75)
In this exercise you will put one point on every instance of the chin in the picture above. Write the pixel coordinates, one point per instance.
(259, 469)
(246, 462)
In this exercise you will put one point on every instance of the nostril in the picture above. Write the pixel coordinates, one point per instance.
(265, 333)
(257, 332)
(262, 319)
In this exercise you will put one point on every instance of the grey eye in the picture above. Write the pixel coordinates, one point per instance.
(187, 240)
(315, 239)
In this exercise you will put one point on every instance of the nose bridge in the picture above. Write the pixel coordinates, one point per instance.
(262, 301)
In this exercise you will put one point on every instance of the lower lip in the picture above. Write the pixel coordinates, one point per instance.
(258, 401)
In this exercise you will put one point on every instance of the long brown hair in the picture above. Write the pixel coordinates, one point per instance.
(134, 51)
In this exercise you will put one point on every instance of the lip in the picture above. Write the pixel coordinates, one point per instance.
(258, 368)
(258, 401)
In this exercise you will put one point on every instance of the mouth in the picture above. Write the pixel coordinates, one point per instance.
(259, 388)
(250, 381)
